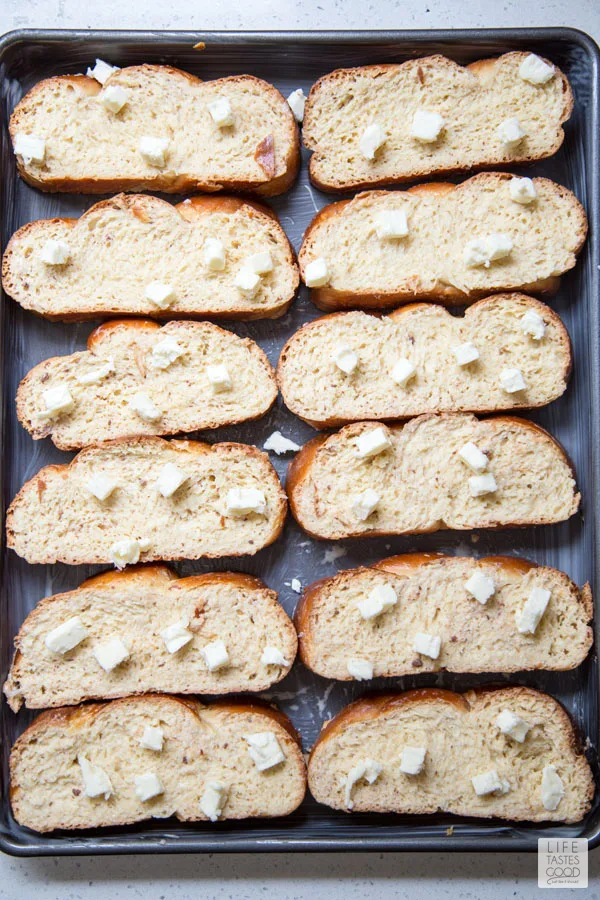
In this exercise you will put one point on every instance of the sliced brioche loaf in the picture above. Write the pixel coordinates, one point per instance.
(172, 366)
(91, 149)
(121, 246)
(473, 102)
(462, 740)
(136, 607)
(374, 614)
(373, 479)
(68, 755)
(507, 331)
(447, 253)
(166, 500)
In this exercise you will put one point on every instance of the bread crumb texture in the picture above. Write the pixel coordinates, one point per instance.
(422, 482)
(473, 102)
(136, 606)
(170, 365)
(91, 149)
(202, 745)
(122, 245)
(431, 262)
(462, 740)
(315, 388)
(55, 518)
(432, 598)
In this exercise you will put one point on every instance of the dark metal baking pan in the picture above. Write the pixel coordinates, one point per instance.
(292, 60)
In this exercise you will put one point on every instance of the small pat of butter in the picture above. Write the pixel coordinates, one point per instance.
(111, 654)
(219, 378)
(243, 501)
(148, 786)
(152, 738)
(403, 371)
(65, 636)
(361, 669)
(480, 485)
(161, 295)
(265, 750)
(213, 800)
(95, 376)
(465, 353)
(533, 325)
(533, 609)
(366, 503)
(296, 585)
(141, 404)
(30, 148)
(552, 788)
(522, 190)
(381, 598)
(481, 587)
(101, 71)
(489, 783)
(391, 224)
(484, 251)
(512, 381)
(371, 443)
(125, 553)
(215, 655)
(154, 150)
(499, 246)
(345, 359)
(512, 725)
(247, 281)
(372, 138)
(58, 400)
(297, 102)
(316, 273)
(95, 780)
(101, 486)
(280, 444)
(535, 70)
(55, 253)
(114, 98)
(272, 656)
(214, 254)
(170, 478)
(367, 769)
(221, 112)
(426, 126)
(412, 760)
(165, 353)
(176, 635)
(427, 644)
(473, 457)
(510, 132)
(261, 262)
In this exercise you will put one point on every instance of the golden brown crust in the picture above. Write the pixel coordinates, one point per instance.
(161, 181)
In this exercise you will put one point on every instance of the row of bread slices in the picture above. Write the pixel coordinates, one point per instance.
(368, 125)
(508, 352)
(511, 753)
(218, 633)
(376, 250)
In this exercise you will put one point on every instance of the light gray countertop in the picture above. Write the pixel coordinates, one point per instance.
(456, 876)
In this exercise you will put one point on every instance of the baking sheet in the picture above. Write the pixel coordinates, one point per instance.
(292, 60)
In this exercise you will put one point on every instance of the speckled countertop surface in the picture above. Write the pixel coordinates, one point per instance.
(456, 876)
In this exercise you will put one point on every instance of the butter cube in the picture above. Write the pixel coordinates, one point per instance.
(509, 723)
(272, 656)
(101, 486)
(403, 371)
(30, 148)
(366, 503)
(533, 325)
(512, 381)
(101, 71)
(219, 378)
(412, 760)
(213, 800)
(221, 112)
(161, 295)
(473, 457)
(55, 253)
(361, 669)
(480, 485)
(465, 353)
(114, 98)
(553, 789)
(214, 254)
(345, 359)
(426, 126)
(481, 587)
(170, 479)
(96, 782)
(58, 400)
(316, 273)
(261, 262)
(215, 655)
(372, 138)
(247, 281)
(243, 501)
(533, 609)
(510, 132)
(148, 786)
(111, 654)
(535, 70)
(154, 150)
(141, 404)
(391, 224)
(522, 190)
(265, 750)
(176, 635)
(297, 102)
(153, 738)
(427, 644)
(66, 636)
(371, 443)
(381, 598)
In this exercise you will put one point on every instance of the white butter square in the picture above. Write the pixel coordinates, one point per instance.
(95, 376)
(176, 635)
(522, 190)
(513, 725)
(66, 636)
(296, 585)
(154, 150)
(101, 71)
(367, 769)
(361, 669)
(265, 750)
(372, 138)
(480, 485)
(481, 587)
(316, 273)
(55, 253)
(427, 644)
(533, 325)
(412, 760)
(114, 98)
(213, 800)
(512, 380)
(476, 254)
(170, 478)
(473, 457)
(499, 246)
(243, 501)
(465, 353)
(165, 353)
(30, 148)
(219, 378)
(272, 656)
(221, 112)
(488, 783)
(280, 444)
(153, 738)
(58, 400)
(247, 281)
(391, 224)
(261, 262)
(426, 126)
(148, 786)
(371, 443)
(345, 359)
(111, 654)
(553, 789)
(366, 503)
(403, 371)
(141, 404)
(214, 254)
(535, 70)
(160, 294)
(297, 102)
(125, 552)
(96, 782)
(510, 133)
(381, 598)
(101, 486)
(215, 655)
(534, 608)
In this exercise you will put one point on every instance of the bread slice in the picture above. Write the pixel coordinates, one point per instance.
(422, 484)
(136, 606)
(125, 358)
(367, 272)
(317, 390)
(431, 597)
(91, 150)
(462, 740)
(56, 518)
(472, 100)
(122, 245)
(203, 745)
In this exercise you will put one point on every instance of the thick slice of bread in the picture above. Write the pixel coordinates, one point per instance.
(429, 263)
(462, 740)
(432, 598)
(89, 149)
(202, 745)
(136, 606)
(321, 393)
(55, 517)
(181, 392)
(472, 100)
(422, 483)
(120, 246)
